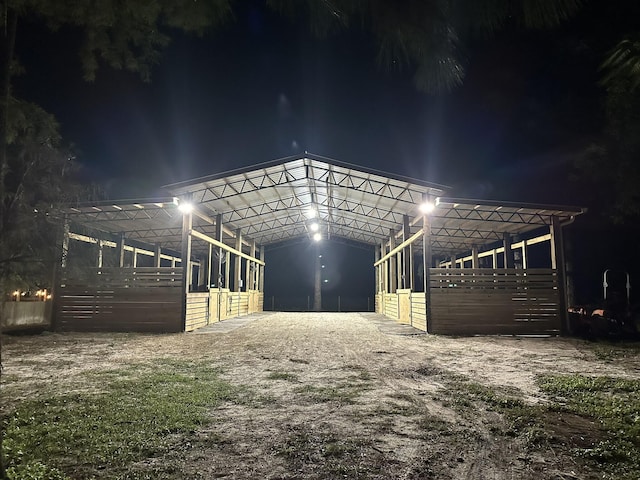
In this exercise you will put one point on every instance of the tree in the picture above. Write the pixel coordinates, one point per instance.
(611, 165)
(34, 169)
(119, 33)
(427, 36)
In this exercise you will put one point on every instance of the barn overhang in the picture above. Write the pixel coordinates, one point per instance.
(243, 211)
(289, 198)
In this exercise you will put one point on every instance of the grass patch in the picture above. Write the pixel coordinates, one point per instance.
(341, 393)
(465, 397)
(614, 405)
(143, 412)
(327, 455)
(612, 352)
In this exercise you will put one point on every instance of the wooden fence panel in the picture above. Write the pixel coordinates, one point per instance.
(494, 301)
(197, 310)
(114, 299)
(418, 311)
(391, 305)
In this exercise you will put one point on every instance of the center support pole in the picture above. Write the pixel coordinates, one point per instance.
(317, 284)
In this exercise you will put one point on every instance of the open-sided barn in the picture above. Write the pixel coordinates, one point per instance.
(444, 265)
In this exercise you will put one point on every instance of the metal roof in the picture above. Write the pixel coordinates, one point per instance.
(273, 202)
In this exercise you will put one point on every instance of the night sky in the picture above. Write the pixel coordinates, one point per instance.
(263, 88)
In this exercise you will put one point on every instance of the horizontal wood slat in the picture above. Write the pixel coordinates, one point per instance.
(123, 277)
(391, 305)
(494, 301)
(112, 299)
(197, 310)
(418, 311)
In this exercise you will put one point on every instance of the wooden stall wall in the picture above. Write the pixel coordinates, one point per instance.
(390, 304)
(418, 311)
(198, 311)
(494, 301)
(139, 299)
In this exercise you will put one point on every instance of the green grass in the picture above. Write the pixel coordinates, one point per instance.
(325, 454)
(609, 352)
(614, 404)
(144, 411)
(343, 394)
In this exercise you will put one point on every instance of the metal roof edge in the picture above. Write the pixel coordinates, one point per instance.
(306, 155)
(495, 203)
(119, 201)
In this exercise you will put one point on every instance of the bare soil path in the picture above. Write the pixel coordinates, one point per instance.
(343, 396)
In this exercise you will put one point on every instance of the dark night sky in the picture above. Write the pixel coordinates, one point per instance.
(263, 88)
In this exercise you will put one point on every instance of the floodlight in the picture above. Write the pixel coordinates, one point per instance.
(311, 213)
(185, 207)
(426, 207)
(317, 237)
(314, 227)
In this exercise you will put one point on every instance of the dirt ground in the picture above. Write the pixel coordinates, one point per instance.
(344, 396)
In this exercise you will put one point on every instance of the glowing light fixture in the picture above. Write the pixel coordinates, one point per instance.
(317, 237)
(311, 213)
(314, 227)
(185, 207)
(426, 207)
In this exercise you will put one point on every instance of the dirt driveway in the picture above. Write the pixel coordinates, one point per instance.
(347, 396)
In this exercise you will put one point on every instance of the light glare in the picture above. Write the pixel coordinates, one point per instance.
(185, 207)
(317, 237)
(314, 227)
(427, 207)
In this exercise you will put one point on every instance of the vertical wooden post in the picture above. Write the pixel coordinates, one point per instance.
(120, 249)
(558, 263)
(494, 258)
(100, 253)
(524, 254)
(135, 257)
(406, 253)
(412, 277)
(227, 269)
(218, 262)
(251, 274)
(509, 261)
(377, 274)
(157, 259)
(238, 263)
(262, 267)
(453, 261)
(58, 273)
(187, 224)
(65, 244)
(426, 259)
(393, 269)
(209, 266)
(475, 263)
(384, 270)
